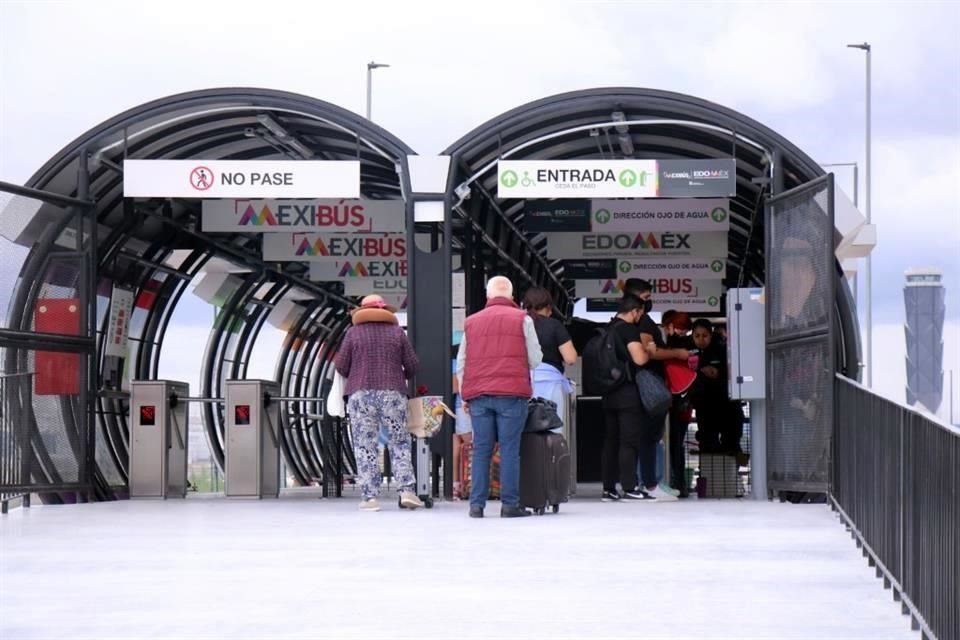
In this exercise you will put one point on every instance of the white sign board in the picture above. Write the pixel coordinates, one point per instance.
(121, 306)
(650, 268)
(265, 216)
(577, 179)
(380, 286)
(459, 296)
(681, 294)
(681, 214)
(357, 269)
(703, 244)
(459, 317)
(241, 178)
(333, 247)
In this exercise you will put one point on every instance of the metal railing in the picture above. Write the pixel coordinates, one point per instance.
(14, 445)
(896, 483)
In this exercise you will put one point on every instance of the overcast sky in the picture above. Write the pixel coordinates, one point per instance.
(66, 66)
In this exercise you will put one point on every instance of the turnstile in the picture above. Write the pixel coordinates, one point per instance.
(252, 446)
(158, 439)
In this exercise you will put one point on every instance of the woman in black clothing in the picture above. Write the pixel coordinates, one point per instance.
(549, 380)
(719, 420)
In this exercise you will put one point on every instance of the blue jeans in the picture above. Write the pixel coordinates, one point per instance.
(496, 418)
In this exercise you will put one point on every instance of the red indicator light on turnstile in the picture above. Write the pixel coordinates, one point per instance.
(241, 414)
(148, 415)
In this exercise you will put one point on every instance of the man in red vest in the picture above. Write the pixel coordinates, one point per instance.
(497, 352)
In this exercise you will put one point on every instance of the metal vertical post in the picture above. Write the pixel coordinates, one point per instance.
(87, 246)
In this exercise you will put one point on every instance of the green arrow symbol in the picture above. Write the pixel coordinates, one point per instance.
(509, 178)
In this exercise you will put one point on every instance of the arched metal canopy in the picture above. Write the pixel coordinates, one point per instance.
(156, 247)
(622, 122)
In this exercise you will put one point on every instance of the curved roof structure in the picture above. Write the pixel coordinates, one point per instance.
(624, 122)
(155, 248)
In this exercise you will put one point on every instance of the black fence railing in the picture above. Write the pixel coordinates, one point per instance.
(896, 482)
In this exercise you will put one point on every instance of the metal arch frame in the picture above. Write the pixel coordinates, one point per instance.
(181, 117)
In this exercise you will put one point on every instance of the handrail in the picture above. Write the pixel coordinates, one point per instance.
(950, 428)
(7, 376)
(894, 483)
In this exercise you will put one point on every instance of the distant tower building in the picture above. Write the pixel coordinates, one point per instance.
(924, 297)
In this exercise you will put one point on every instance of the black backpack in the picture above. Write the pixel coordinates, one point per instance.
(604, 368)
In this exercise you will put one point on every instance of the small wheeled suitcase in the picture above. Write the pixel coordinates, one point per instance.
(422, 464)
(544, 471)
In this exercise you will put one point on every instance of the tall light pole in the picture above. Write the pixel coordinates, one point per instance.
(370, 67)
(866, 47)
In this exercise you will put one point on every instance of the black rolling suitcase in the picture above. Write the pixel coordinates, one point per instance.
(544, 471)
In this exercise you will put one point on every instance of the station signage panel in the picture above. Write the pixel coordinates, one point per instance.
(650, 268)
(679, 214)
(567, 214)
(278, 216)
(681, 294)
(241, 178)
(635, 244)
(333, 247)
(350, 269)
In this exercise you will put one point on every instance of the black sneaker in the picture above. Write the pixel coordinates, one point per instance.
(610, 496)
(514, 512)
(476, 512)
(637, 495)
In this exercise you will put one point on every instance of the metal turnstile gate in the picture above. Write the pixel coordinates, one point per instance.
(158, 439)
(252, 446)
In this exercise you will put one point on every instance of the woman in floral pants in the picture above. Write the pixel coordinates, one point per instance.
(376, 360)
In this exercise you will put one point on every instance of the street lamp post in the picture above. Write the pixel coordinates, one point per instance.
(370, 67)
(866, 47)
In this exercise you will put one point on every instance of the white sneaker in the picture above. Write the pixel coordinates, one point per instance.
(658, 494)
(669, 490)
(409, 500)
(369, 504)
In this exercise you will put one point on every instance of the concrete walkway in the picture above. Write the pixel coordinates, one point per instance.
(307, 568)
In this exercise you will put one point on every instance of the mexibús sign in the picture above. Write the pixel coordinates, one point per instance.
(577, 178)
(241, 178)
(682, 294)
(330, 247)
(682, 214)
(349, 269)
(261, 216)
(703, 244)
(652, 268)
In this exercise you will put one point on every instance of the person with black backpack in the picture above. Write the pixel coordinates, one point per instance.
(610, 361)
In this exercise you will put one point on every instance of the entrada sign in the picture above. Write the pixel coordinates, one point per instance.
(686, 178)
(241, 178)
(577, 178)
(265, 216)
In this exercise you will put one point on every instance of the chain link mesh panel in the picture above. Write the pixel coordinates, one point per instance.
(800, 424)
(800, 297)
(800, 257)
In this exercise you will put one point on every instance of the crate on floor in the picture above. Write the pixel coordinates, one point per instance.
(719, 473)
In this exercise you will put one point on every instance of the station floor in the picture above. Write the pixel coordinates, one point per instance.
(301, 567)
